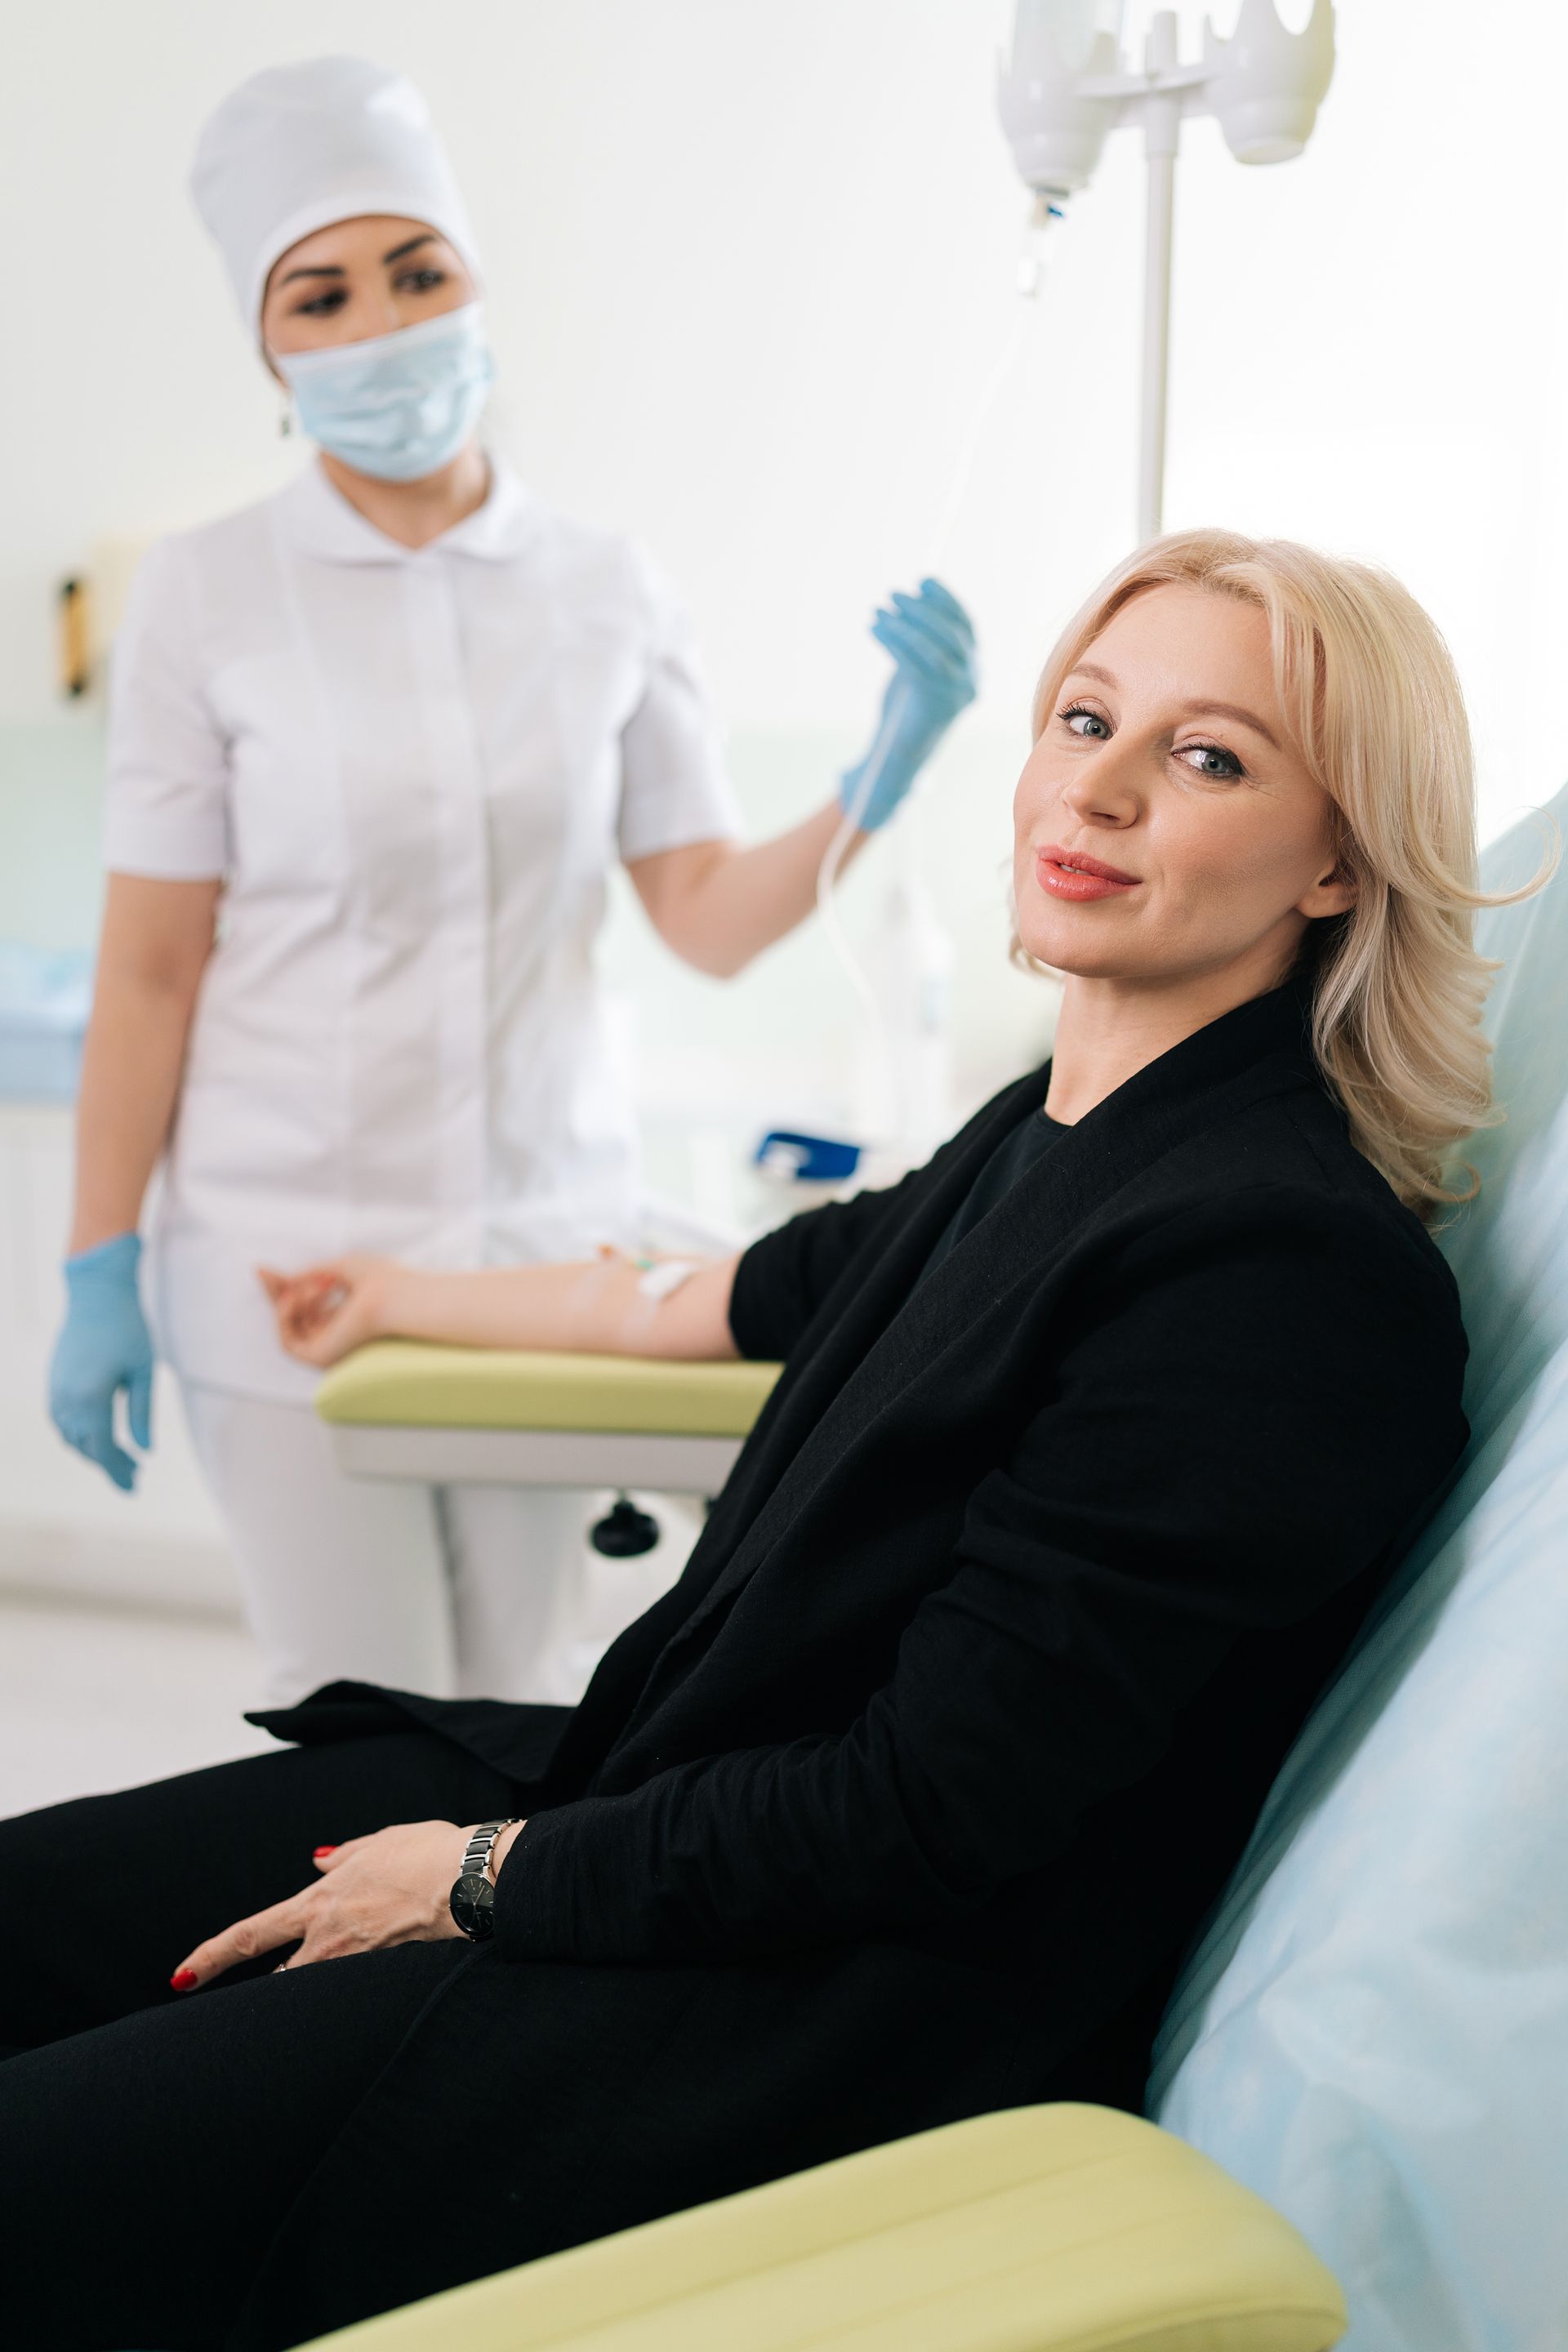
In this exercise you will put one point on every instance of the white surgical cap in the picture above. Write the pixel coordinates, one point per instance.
(298, 147)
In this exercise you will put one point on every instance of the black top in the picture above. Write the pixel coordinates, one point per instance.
(916, 1785)
(1012, 1158)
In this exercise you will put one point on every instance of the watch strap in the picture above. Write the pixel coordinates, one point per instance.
(472, 1899)
(476, 1852)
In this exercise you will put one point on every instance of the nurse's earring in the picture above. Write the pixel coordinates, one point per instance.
(285, 418)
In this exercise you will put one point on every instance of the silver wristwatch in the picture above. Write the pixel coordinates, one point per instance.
(473, 1897)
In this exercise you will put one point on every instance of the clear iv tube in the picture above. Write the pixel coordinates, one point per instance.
(969, 448)
(836, 853)
(875, 759)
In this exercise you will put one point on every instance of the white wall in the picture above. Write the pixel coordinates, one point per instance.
(749, 265)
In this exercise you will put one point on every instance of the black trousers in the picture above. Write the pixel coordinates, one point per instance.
(243, 2169)
(150, 2144)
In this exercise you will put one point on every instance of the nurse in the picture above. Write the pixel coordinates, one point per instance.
(375, 746)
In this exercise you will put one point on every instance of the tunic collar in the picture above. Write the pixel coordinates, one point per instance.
(321, 522)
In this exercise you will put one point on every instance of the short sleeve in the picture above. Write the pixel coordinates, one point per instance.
(674, 786)
(167, 798)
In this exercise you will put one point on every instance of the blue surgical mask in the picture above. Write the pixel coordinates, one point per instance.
(398, 406)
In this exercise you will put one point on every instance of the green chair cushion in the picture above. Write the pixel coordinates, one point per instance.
(1049, 2229)
(405, 1383)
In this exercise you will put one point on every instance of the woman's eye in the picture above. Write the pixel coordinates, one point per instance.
(421, 281)
(1208, 759)
(321, 306)
(1092, 725)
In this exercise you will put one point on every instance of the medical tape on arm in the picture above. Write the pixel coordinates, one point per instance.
(666, 1276)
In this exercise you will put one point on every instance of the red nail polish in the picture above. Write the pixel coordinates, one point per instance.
(321, 1849)
(183, 1980)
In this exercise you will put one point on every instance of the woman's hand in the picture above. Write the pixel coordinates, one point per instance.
(327, 1311)
(391, 1887)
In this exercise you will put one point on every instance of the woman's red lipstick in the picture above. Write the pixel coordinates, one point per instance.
(1072, 874)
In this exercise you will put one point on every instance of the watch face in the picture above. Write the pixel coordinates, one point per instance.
(473, 1900)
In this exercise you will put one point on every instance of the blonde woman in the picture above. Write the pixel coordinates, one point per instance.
(1095, 1439)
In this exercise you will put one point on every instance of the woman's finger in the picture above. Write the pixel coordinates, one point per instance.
(292, 1298)
(319, 1342)
(248, 1939)
(302, 1284)
(307, 1325)
(330, 1857)
(309, 1289)
(339, 1326)
(312, 1310)
(288, 1331)
(321, 1270)
(297, 1294)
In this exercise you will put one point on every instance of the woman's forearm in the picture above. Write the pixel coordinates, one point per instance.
(597, 1308)
(154, 950)
(719, 904)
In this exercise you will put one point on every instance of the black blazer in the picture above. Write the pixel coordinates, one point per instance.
(931, 1762)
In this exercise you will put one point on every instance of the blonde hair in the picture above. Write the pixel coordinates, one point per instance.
(1373, 705)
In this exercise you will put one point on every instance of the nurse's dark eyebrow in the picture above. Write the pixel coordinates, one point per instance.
(425, 236)
(331, 270)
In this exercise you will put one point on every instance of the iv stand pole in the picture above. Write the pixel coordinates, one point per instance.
(1266, 91)
(1162, 136)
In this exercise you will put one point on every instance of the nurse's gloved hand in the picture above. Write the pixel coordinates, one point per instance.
(104, 1347)
(932, 640)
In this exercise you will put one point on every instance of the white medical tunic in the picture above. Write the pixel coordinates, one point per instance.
(413, 769)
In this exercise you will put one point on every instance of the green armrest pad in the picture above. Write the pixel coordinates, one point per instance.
(403, 1383)
(1052, 2229)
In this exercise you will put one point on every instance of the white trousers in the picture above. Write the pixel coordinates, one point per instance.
(459, 1591)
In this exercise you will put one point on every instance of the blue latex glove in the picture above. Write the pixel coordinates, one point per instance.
(932, 640)
(105, 1346)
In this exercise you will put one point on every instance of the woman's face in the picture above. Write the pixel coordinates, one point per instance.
(358, 278)
(1163, 827)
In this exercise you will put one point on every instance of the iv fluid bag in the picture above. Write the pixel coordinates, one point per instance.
(1049, 34)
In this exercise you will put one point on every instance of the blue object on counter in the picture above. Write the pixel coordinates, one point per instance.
(45, 997)
(807, 1158)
